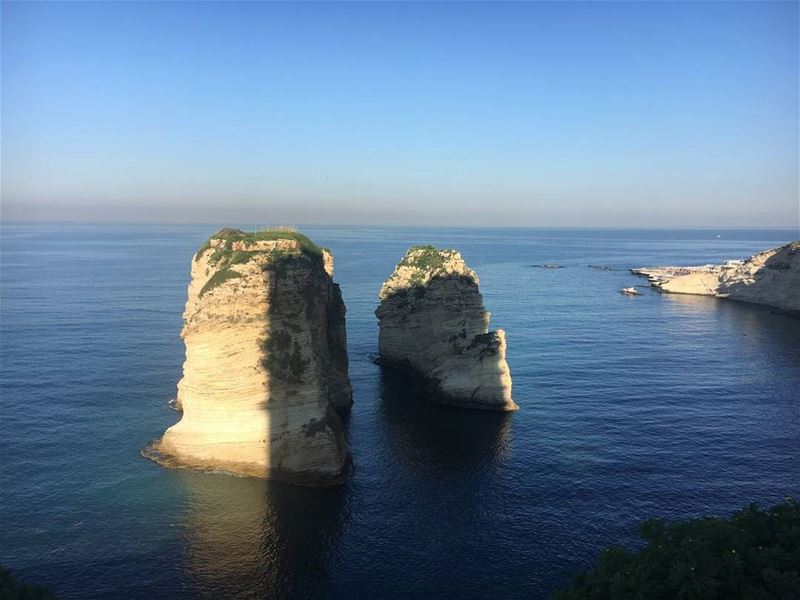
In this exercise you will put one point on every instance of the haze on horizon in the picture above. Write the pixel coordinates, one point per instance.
(528, 114)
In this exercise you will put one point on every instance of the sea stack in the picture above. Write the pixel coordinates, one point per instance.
(771, 278)
(265, 377)
(433, 325)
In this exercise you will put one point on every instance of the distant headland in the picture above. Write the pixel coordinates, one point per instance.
(771, 278)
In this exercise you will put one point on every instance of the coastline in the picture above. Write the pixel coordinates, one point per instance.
(768, 278)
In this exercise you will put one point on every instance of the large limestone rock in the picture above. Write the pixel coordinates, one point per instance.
(433, 324)
(771, 278)
(266, 362)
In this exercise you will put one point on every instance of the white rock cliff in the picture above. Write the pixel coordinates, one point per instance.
(433, 324)
(771, 278)
(265, 375)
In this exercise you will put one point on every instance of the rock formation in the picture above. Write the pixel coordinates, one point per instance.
(771, 278)
(433, 324)
(266, 362)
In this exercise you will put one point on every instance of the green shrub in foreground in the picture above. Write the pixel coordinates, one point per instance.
(753, 555)
(13, 589)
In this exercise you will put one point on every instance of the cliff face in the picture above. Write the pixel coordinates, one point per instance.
(266, 362)
(771, 278)
(433, 324)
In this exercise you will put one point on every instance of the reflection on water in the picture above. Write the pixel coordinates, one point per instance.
(687, 303)
(249, 538)
(741, 318)
(439, 440)
(630, 408)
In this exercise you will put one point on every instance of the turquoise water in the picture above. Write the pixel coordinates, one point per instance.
(654, 405)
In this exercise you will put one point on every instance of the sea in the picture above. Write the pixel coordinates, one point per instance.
(631, 407)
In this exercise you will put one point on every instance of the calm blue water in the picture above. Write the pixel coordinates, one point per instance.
(629, 408)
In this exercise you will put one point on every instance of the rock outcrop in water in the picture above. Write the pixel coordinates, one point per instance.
(433, 324)
(771, 278)
(265, 376)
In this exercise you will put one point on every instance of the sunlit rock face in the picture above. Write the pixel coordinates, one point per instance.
(433, 325)
(771, 278)
(265, 375)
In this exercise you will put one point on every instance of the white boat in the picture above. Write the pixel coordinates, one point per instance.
(629, 291)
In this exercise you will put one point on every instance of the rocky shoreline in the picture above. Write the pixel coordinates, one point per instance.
(770, 278)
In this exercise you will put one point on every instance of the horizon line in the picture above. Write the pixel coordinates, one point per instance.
(170, 223)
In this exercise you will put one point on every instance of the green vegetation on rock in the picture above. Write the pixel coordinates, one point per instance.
(217, 278)
(424, 260)
(753, 555)
(427, 263)
(281, 355)
(224, 253)
(224, 256)
(427, 258)
(282, 358)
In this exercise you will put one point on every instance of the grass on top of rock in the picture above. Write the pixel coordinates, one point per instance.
(427, 258)
(224, 253)
(224, 256)
(428, 264)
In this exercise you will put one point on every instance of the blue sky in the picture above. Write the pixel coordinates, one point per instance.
(530, 114)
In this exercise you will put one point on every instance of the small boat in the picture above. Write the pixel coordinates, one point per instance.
(629, 291)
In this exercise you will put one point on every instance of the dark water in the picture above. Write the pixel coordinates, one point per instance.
(629, 408)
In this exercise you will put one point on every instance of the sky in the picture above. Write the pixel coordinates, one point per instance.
(552, 114)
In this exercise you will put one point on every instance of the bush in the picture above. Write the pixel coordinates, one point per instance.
(283, 359)
(424, 257)
(13, 589)
(754, 555)
(217, 278)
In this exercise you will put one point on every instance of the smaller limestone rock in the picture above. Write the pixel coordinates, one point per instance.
(433, 324)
